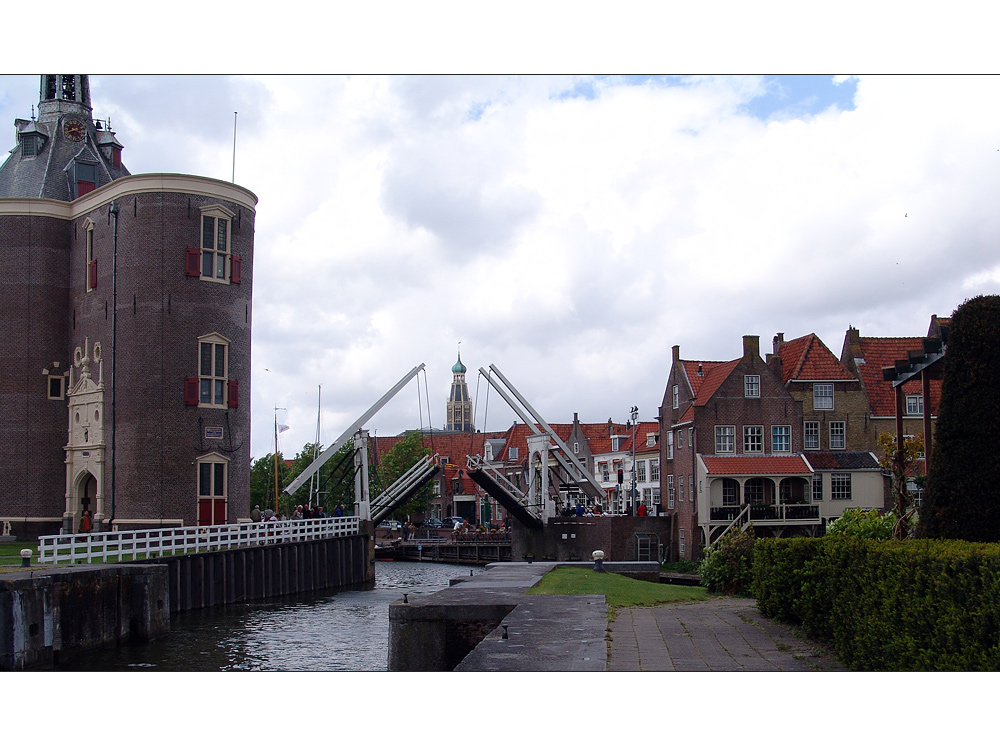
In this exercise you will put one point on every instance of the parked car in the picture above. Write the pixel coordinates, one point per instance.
(434, 523)
(449, 522)
(391, 525)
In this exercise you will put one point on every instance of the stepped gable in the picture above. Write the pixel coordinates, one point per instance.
(878, 352)
(808, 359)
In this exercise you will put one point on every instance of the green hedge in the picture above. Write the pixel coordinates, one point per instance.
(918, 605)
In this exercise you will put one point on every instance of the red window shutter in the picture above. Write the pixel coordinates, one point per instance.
(192, 267)
(84, 187)
(234, 393)
(204, 512)
(191, 391)
(93, 274)
(236, 270)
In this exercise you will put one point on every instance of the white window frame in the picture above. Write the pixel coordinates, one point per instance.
(61, 380)
(650, 440)
(721, 433)
(838, 483)
(676, 396)
(214, 461)
(654, 470)
(838, 437)
(751, 387)
(817, 487)
(682, 542)
(670, 491)
(822, 396)
(786, 436)
(806, 427)
(640, 470)
(212, 378)
(220, 257)
(756, 432)
(730, 492)
(670, 445)
(914, 404)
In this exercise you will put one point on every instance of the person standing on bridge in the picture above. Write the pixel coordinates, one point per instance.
(255, 514)
(339, 511)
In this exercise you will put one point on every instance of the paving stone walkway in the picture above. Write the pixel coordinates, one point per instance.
(720, 634)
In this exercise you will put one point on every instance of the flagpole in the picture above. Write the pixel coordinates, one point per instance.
(275, 460)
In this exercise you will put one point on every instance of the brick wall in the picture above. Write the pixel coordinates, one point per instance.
(161, 314)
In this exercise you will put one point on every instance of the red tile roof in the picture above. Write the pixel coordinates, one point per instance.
(742, 465)
(808, 359)
(877, 352)
(712, 375)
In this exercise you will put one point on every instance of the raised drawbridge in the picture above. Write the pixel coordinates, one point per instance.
(380, 506)
(534, 503)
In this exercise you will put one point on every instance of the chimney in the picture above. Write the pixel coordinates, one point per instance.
(751, 348)
(852, 347)
(779, 339)
(677, 353)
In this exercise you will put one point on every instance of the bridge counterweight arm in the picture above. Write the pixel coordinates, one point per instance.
(349, 432)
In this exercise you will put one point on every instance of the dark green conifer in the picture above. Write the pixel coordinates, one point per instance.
(963, 486)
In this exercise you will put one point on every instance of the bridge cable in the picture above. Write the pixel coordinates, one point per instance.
(427, 396)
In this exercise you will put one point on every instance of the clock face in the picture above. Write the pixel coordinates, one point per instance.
(74, 130)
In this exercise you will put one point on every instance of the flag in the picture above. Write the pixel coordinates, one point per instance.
(282, 428)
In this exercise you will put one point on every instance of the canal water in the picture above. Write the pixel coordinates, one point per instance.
(346, 631)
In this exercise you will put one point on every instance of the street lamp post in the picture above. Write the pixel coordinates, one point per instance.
(634, 501)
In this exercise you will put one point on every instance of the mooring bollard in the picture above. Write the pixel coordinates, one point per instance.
(598, 556)
(25, 558)
(503, 635)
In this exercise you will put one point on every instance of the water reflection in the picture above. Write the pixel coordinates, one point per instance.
(347, 631)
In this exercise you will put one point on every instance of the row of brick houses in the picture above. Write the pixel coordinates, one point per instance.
(787, 441)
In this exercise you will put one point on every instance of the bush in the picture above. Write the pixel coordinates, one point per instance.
(728, 565)
(916, 605)
(867, 524)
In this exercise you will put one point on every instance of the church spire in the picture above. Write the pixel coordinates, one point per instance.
(459, 405)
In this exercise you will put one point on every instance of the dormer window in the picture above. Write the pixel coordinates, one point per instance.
(85, 175)
(31, 145)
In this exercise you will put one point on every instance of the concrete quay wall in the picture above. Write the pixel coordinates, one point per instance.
(57, 612)
(460, 628)
(52, 612)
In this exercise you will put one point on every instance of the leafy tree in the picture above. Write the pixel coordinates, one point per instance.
(900, 467)
(962, 500)
(262, 482)
(396, 462)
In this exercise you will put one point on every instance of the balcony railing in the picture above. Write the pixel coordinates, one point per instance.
(767, 513)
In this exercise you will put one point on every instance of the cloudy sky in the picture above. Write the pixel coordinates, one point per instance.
(569, 230)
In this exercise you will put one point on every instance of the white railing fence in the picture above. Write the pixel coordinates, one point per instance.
(158, 542)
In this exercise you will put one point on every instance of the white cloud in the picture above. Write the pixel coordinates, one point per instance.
(570, 231)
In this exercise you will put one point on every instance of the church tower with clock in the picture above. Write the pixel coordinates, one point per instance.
(125, 304)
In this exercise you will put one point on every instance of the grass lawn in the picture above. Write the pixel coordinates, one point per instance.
(617, 589)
